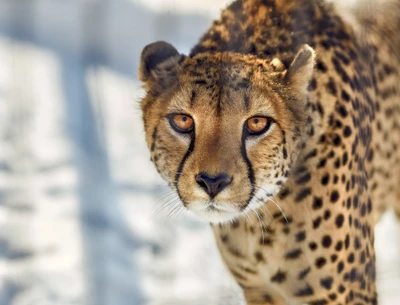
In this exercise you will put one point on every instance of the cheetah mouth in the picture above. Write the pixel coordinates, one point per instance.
(214, 212)
(212, 208)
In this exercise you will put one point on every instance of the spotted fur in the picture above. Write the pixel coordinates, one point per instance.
(295, 225)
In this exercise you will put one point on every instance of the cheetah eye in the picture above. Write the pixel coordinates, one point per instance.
(257, 125)
(181, 123)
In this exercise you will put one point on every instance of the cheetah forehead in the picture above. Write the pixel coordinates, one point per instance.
(230, 65)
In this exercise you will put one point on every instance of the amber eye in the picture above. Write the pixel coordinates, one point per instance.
(181, 123)
(257, 125)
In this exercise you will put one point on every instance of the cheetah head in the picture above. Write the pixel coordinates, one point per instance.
(223, 129)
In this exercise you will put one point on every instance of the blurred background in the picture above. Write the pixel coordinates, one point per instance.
(81, 206)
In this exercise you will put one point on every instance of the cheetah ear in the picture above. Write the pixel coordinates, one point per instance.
(155, 56)
(301, 69)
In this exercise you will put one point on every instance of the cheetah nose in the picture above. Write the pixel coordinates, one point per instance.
(213, 185)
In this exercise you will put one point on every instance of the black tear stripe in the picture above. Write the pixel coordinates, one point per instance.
(182, 164)
(250, 171)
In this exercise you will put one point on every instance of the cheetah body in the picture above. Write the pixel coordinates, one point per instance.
(333, 155)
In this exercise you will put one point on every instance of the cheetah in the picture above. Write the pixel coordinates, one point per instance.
(280, 129)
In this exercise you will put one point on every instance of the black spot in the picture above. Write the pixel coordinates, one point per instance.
(342, 57)
(200, 82)
(350, 258)
(304, 273)
(284, 193)
(300, 169)
(293, 254)
(321, 66)
(284, 151)
(332, 86)
(311, 154)
(317, 222)
(259, 257)
(340, 267)
(363, 210)
(279, 277)
(357, 243)
(342, 111)
(266, 241)
(347, 131)
(303, 179)
(326, 241)
(347, 242)
(327, 282)
(313, 246)
(337, 163)
(320, 262)
(353, 276)
(305, 291)
(336, 140)
(320, 109)
(338, 124)
(340, 70)
(339, 246)
(355, 199)
(301, 236)
(345, 96)
(334, 196)
(345, 158)
(335, 179)
(362, 257)
(303, 194)
(325, 179)
(339, 220)
(321, 163)
(313, 85)
(318, 203)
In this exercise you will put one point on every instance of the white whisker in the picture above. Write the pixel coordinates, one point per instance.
(279, 207)
(261, 224)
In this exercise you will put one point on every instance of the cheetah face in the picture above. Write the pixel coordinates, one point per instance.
(222, 128)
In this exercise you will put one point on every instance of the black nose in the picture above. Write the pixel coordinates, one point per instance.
(213, 185)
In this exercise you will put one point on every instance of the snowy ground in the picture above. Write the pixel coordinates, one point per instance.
(79, 198)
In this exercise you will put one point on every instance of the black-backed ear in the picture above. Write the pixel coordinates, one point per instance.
(153, 55)
(301, 69)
